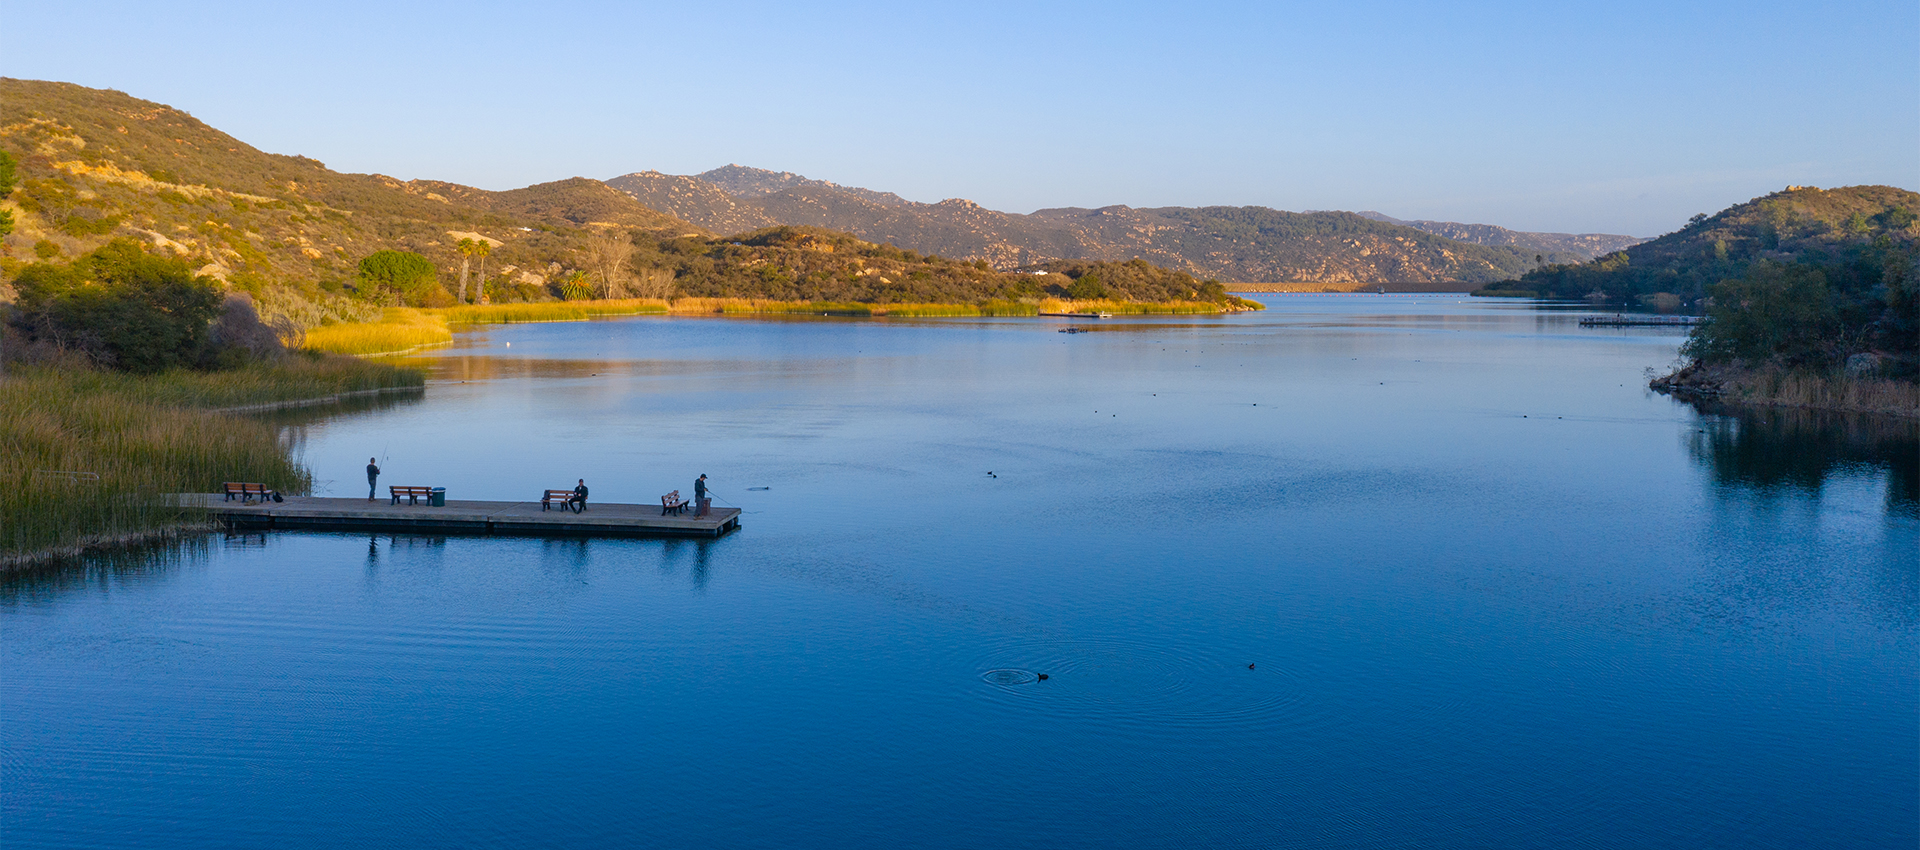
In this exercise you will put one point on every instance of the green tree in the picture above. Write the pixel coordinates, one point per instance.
(1087, 288)
(1775, 312)
(398, 275)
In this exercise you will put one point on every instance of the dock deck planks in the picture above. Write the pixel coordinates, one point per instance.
(519, 519)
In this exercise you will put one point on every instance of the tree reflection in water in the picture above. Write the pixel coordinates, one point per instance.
(1773, 449)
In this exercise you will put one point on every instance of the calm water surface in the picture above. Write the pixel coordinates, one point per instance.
(1353, 572)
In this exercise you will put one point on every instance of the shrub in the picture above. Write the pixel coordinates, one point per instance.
(1087, 288)
(120, 306)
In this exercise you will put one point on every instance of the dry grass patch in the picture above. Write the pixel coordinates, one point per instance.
(399, 330)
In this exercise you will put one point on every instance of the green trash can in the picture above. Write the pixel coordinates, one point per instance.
(437, 497)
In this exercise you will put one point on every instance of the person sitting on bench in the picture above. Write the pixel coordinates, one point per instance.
(579, 500)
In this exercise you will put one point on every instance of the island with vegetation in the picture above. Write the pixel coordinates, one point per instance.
(1811, 298)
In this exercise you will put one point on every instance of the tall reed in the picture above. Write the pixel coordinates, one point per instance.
(400, 329)
(549, 311)
(79, 465)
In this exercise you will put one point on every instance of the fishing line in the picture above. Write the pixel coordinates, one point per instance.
(729, 502)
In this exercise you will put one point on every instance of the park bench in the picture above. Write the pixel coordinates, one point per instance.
(247, 491)
(672, 503)
(413, 494)
(564, 497)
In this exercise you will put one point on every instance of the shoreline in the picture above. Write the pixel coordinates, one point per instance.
(267, 406)
(1738, 385)
(99, 544)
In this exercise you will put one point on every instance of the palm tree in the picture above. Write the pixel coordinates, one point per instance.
(466, 249)
(482, 248)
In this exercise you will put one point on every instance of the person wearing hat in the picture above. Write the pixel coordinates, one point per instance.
(700, 500)
(373, 474)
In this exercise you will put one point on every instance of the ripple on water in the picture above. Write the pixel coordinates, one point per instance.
(1138, 683)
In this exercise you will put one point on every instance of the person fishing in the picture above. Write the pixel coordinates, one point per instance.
(700, 500)
(373, 475)
(579, 500)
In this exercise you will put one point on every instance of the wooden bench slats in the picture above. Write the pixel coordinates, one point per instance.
(248, 490)
(413, 494)
(564, 497)
(672, 503)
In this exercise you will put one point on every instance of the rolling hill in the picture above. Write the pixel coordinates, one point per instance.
(1241, 244)
(96, 165)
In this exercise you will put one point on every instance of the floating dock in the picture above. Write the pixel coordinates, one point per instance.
(1080, 315)
(506, 519)
(1619, 321)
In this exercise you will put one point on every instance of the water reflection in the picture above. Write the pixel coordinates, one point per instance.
(1771, 450)
(103, 571)
(346, 408)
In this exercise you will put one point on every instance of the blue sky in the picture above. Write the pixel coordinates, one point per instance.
(1620, 117)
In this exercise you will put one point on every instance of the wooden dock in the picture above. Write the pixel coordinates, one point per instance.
(1622, 321)
(507, 519)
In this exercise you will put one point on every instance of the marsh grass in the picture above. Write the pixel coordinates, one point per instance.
(399, 330)
(82, 466)
(86, 456)
(1827, 392)
(297, 377)
(549, 311)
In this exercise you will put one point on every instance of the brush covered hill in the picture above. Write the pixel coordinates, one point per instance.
(1550, 247)
(1849, 232)
(785, 263)
(97, 164)
(1240, 244)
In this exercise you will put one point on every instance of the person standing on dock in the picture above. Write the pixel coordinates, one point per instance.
(700, 500)
(373, 474)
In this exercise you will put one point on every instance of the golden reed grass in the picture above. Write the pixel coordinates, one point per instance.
(79, 466)
(400, 329)
(86, 456)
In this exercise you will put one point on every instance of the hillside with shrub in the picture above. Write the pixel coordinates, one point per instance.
(313, 247)
(804, 263)
(1238, 244)
(93, 165)
(1812, 296)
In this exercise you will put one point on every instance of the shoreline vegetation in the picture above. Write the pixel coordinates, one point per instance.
(1739, 384)
(1811, 298)
(86, 455)
(401, 330)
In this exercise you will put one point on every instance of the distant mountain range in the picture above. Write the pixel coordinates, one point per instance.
(1577, 246)
(1233, 244)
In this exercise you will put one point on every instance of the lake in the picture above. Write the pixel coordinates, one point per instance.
(1357, 571)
